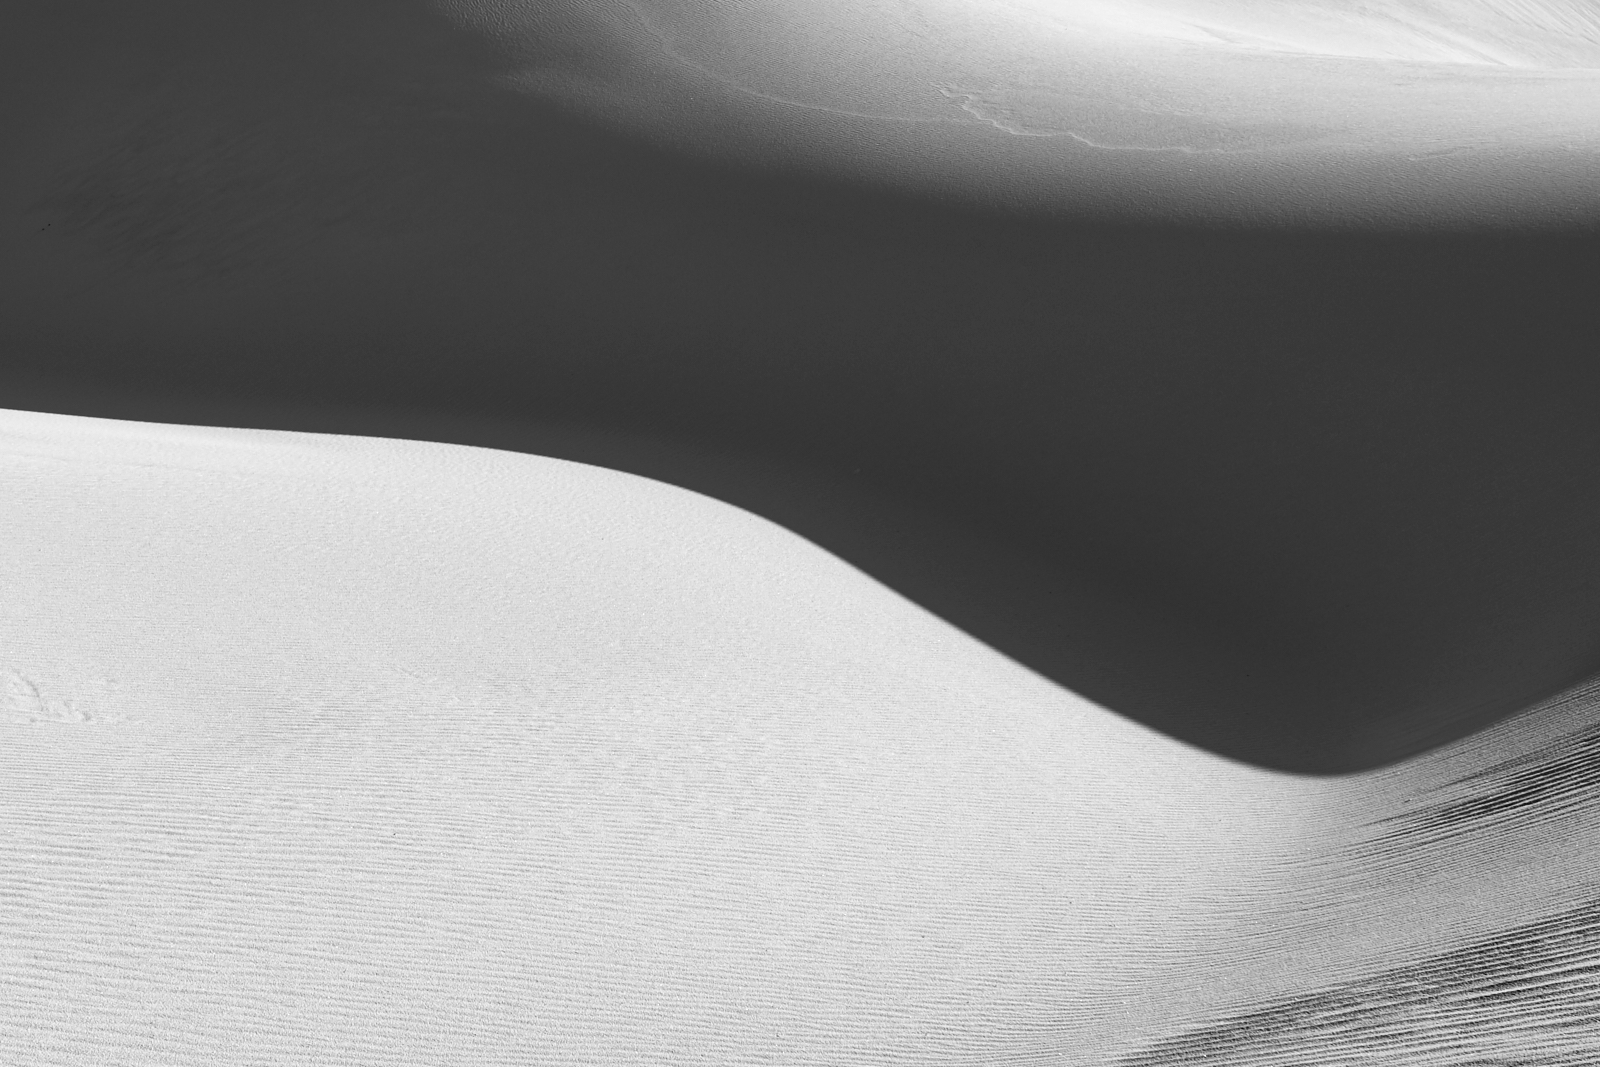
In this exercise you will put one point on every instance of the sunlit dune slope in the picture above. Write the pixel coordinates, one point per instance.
(331, 750)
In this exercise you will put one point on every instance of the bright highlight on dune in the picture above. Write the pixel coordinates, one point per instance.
(1528, 34)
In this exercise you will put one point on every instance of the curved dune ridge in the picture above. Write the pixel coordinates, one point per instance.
(337, 750)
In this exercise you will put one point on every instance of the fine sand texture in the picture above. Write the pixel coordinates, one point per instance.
(331, 750)
(1270, 428)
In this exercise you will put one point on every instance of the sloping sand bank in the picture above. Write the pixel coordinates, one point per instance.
(344, 751)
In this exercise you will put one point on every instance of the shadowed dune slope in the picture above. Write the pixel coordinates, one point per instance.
(1315, 500)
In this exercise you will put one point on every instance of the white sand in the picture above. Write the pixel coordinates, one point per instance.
(321, 750)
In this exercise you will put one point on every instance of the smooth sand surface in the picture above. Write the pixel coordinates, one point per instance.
(346, 751)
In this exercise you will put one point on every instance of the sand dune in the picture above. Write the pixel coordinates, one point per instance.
(349, 751)
(1229, 366)
(1307, 113)
(1307, 493)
